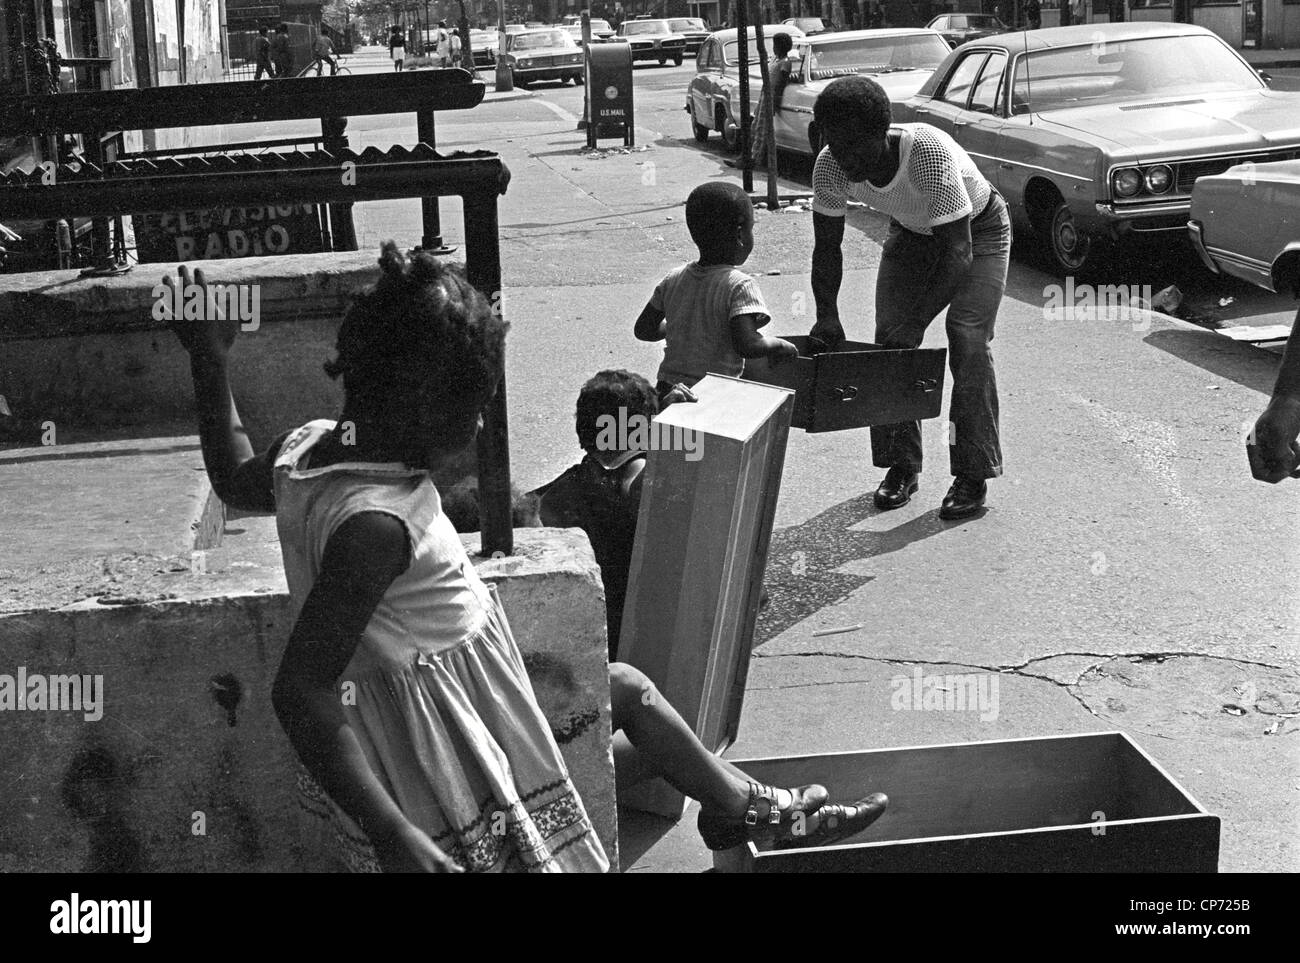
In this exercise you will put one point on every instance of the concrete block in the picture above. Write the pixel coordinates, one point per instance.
(187, 768)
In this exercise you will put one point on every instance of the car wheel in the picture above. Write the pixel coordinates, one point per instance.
(730, 138)
(677, 61)
(1072, 250)
(699, 130)
(662, 61)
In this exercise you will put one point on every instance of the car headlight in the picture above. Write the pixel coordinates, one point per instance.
(1126, 182)
(1159, 178)
(522, 63)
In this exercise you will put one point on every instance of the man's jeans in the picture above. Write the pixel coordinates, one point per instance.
(906, 268)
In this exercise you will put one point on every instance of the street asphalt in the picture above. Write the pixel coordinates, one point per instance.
(1127, 575)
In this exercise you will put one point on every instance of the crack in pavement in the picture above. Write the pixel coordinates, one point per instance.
(1072, 688)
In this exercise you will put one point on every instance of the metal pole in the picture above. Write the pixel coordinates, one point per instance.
(505, 80)
(432, 240)
(742, 43)
(585, 122)
(483, 265)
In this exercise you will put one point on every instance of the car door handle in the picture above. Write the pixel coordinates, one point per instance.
(1007, 167)
(961, 123)
(920, 110)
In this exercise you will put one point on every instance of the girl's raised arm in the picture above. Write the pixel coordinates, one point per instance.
(240, 478)
(361, 560)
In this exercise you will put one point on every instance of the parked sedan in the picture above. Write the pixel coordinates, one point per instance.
(713, 96)
(899, 60)
(1098, 131)
(809, 25)
(1246, 222)
(547, 54)
(957, 28)
(693, 29)
(652, 40)
(483, 44)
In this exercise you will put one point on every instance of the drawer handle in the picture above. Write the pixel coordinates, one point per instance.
(845, 393)
(926, 384)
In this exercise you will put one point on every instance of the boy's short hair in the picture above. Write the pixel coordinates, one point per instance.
(856, 101)
(713, 211)
(606, 393)
(782, 43)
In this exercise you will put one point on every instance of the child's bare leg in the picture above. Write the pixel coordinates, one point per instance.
(658, 742)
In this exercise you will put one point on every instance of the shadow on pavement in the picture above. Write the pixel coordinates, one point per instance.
(801, 577)
(1245, 364)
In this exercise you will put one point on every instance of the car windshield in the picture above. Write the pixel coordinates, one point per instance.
(600, 25)
(540, 39)
(1158, 67)
(869, 55)
(732, 53)
(686, 25)
(807, 24)
(643, 26)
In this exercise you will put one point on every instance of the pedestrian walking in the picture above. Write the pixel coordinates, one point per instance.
(949, 246)
(262, 52)
(443, 48)
(397, 47)
(457, 59)
(322, 50)
(282, 52)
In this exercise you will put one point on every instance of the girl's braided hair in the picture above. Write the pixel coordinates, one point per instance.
(422, 339)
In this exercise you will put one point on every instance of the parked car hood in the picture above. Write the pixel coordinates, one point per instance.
(1187, 125)
(898, 85)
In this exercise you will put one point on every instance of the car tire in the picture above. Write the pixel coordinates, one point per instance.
(677, 61)
(662, 61)
(1070, 250)
(578, 80)
(699, 130)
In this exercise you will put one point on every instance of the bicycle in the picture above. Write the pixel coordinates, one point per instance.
(317, 67)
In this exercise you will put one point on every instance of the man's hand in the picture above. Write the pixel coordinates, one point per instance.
(1274, 454)
(205, 338)
(411, 850)
(783, 352)
(829, 332)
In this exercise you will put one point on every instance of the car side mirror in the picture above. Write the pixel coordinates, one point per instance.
(1265, 76)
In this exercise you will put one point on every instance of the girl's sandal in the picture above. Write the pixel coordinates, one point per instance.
(837, 822)
(723, 832)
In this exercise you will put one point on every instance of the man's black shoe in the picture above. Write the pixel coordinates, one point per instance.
(964, 498)
(897, 489)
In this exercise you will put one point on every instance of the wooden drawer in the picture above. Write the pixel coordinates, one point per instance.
(1082, 803)
(857, 385)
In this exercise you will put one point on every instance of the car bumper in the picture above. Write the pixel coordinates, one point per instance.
(663, 52)
(1196, 235)
(1118, 220)
(557, 72)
